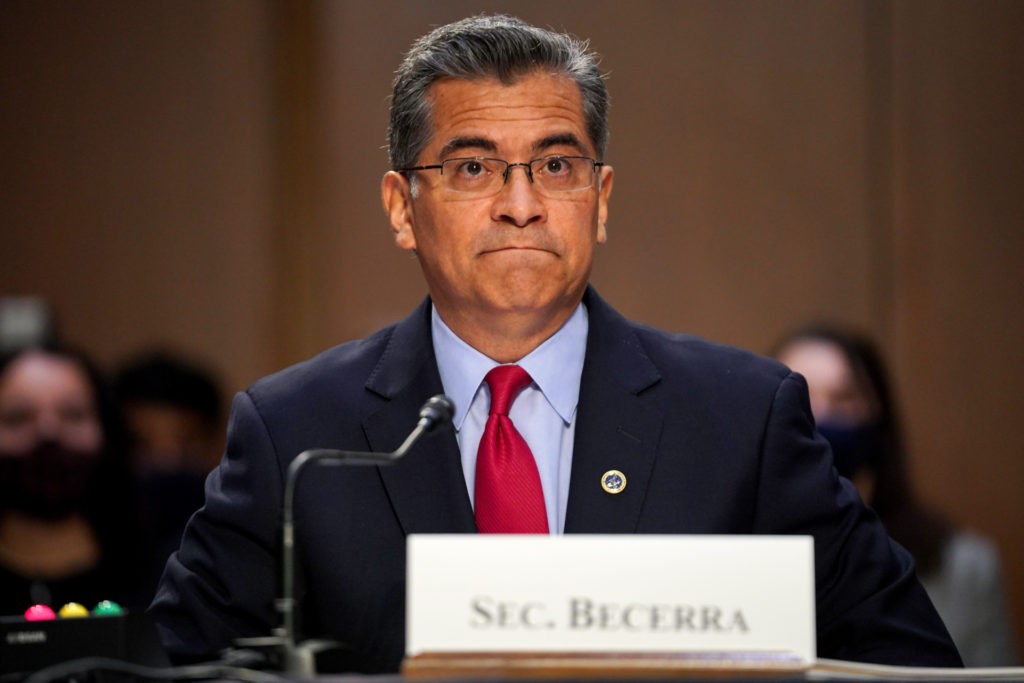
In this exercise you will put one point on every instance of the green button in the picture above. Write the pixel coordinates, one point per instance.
(107, 608)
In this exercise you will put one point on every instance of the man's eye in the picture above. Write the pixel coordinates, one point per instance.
(471, 168)
(556, 166)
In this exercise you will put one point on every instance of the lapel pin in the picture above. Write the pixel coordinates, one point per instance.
(613, 481)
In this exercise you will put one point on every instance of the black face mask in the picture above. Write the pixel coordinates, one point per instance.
(853, 446)
(50, 482)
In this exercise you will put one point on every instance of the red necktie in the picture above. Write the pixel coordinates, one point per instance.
(508, 497)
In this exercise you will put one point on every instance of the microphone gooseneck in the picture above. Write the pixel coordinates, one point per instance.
(436, 412)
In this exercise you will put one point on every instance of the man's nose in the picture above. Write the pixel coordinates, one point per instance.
(518, 201)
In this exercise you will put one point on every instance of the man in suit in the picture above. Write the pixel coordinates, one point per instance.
(497, 134)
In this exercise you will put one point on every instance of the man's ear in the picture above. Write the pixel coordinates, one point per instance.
(604, 193)
(396, 195)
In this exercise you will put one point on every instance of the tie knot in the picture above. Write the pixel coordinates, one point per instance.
(506, 381)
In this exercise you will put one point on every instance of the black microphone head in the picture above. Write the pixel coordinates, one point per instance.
(438, 410)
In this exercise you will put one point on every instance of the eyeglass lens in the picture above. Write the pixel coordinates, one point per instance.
(482, 175)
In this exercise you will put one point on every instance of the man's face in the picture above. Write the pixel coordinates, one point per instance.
(168, 438)
(517, 252)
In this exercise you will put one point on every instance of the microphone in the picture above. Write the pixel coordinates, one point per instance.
(299, 659)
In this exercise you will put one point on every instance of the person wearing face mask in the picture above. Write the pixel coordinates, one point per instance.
(173, 415)
(854, 409)
(66, 510)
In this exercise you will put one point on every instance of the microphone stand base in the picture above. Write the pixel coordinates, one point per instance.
(281, 654)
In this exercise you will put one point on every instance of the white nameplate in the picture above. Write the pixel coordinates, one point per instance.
(610, 594)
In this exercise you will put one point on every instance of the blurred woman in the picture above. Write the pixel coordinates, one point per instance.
(854, 409)
(66, 510)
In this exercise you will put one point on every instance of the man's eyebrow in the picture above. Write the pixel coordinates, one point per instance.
(559, 140)
(456, 144)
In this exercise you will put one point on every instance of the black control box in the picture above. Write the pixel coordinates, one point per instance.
(27, 646)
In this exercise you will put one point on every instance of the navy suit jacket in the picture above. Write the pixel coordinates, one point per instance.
(712, 440)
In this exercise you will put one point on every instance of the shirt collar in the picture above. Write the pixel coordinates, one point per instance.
(555, 366)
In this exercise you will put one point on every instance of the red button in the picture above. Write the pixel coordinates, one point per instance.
(39, 613)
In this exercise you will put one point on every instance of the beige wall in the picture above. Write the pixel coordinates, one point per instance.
(957, 247)
(137, 172)
(204, 175)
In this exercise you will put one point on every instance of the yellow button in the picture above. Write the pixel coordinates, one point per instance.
(72, 610)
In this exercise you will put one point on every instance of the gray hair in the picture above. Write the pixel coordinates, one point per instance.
(481, 46)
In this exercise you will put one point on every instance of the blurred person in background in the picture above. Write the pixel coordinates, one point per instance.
(174, 416)
(854, 408)
(66, 498)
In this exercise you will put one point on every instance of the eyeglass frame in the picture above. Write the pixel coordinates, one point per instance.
(528, 165)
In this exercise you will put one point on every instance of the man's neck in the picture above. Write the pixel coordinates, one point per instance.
(506, 337)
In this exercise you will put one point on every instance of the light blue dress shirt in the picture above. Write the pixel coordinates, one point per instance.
(544, 413)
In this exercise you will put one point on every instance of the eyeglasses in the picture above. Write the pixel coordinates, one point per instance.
(483, 176)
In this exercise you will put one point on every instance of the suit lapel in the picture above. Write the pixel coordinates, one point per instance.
(615, 428)
(427, 488)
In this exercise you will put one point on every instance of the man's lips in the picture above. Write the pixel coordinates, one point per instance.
(516, 247)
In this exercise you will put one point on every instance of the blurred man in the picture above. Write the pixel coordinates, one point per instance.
(172, 410)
